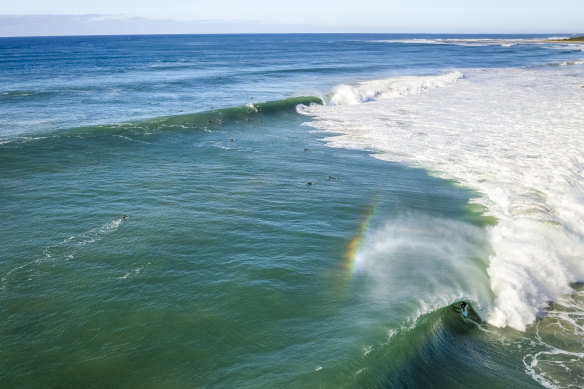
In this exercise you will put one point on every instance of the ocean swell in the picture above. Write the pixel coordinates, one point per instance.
(206, 120)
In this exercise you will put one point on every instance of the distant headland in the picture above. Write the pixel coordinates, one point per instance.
(567, 40)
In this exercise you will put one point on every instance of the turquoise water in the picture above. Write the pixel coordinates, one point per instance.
(254, 254)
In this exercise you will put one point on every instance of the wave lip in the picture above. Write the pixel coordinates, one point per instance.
(390, 88)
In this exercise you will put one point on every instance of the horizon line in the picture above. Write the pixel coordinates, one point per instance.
(288, 33)
(47, 25)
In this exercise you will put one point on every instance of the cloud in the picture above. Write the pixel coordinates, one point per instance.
(56, 25)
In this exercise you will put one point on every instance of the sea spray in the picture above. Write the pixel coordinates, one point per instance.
(424, 263)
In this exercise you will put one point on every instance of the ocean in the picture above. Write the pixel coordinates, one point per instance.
(291, 211)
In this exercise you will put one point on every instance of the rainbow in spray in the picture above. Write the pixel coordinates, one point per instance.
(355, 245)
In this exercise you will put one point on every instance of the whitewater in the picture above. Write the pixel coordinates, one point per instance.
(515, 136)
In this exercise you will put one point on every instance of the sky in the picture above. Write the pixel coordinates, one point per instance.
(80, 17)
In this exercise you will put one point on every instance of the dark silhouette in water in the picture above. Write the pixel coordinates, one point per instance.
(463, 309)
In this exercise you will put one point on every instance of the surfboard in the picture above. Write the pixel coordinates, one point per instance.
(463, 310)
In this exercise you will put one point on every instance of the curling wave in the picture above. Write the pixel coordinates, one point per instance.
(206, 120)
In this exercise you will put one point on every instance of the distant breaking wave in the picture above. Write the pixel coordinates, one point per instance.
(389, 88)
(464, 41)
(564, 63)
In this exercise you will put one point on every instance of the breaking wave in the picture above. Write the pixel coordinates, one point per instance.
(514, 135)
(389, 88)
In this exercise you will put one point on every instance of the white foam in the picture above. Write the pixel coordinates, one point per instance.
(65, 249)
(130, 273)
(389, 88)
(514, 135)
(91, 236)
(131, 139)
(463, 41)
(413, 41)
(557, 38)
(559, 345)
(565, 63)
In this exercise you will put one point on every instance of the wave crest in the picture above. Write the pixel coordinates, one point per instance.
(390, 88)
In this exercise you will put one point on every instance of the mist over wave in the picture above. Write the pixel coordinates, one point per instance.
(422, 262)
(515, 136)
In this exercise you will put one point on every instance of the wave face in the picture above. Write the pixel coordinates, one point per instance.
(213, 118)
(515, 136)
(206, 121)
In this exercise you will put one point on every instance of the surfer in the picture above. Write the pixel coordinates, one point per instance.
(124, 217)
(463, 309)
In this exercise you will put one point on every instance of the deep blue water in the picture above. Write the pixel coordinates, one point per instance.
(81, 81)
